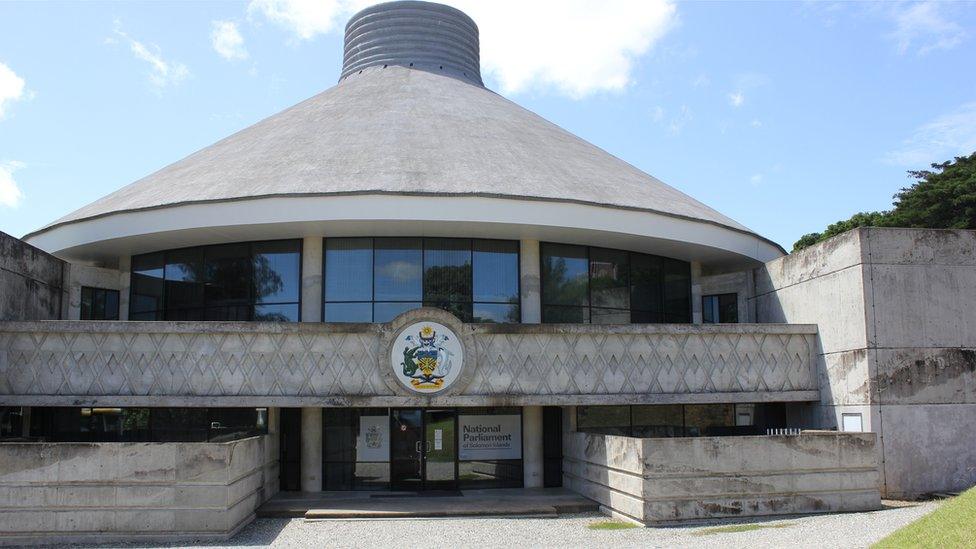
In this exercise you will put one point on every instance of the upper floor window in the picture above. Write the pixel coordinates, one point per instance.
(247, 281)
(99, 304)
(603, 286)
(376, 279)
(721, 308)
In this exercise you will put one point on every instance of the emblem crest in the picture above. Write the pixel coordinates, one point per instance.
(427, 357)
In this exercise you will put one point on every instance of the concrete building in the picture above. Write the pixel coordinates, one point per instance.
(410, 283)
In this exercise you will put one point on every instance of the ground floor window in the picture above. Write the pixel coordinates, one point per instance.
(721, 308)
(681, 420)
(421, 448)
(106, 424)
(99, 304)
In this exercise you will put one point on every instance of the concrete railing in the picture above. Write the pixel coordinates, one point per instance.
(663, 480)
(72, 363)
(109, 491)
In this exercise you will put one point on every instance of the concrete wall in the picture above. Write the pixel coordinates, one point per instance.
(31, 282)
(94, 277)
(664, 480)
(895, 310)
(739, 283)
(75, 363)
(64, 492)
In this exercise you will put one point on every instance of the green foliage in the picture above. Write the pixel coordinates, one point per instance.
(736, 528)
(611, 525)
(952, 525)
(941, 198)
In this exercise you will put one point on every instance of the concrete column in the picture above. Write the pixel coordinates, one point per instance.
(312, 279)
(529, 284)
(696, 292)
(26, 421)
(125, 282)
(532, 456)
(311, 449)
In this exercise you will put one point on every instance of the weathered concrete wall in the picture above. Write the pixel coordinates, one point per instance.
(895, 310)
(739, 283)
(269, 364)
(94, 277)
(64, 492)
(663, 480)
(31, 282)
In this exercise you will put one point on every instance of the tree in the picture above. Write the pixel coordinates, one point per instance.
(941, 198)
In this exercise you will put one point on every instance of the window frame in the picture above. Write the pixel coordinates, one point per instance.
(95, 292)
(252, 302)
(372, 303)
(589, 307)
(718, 307)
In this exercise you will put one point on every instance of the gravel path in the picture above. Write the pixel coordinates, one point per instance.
(817, 531)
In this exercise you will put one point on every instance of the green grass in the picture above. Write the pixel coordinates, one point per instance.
(952, 524)
(740, 528)
(611, 525)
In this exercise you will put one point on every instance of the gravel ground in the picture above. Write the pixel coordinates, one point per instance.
(819, 531)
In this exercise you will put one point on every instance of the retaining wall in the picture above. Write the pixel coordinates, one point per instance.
(99, 492)
(895, 310)
(32, 282)
(663, 480)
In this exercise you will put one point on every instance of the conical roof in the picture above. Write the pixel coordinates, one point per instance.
(395, 127)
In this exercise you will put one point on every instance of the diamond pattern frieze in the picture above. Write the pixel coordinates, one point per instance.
(180, 360)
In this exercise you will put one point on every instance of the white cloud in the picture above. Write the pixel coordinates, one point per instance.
(658, 113)
(11, 88)
(756, 123)
(306, 19)
(10, 194)
(949, 135)
(575, 47)
(756, 179)
(227, 40)
(162, 73)
(679, 121)
(924, 27)
(745, 82)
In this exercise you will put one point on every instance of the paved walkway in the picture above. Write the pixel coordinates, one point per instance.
(846, 530)
(349, 505)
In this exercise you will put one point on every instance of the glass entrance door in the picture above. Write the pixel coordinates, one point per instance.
(406, 449)
(440, 453)
(423, 450)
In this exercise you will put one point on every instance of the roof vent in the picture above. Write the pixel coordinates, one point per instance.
(421, 35)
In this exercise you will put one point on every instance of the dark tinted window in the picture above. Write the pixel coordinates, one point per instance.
(99, 304)
(146, 424)
(245, 281)
(677, 291)
(398, 269)
(146, 297)
(603, 286)
(277, 268)
(374, 280)
(720, 308)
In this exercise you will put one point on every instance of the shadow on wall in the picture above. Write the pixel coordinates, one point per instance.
(32, 282)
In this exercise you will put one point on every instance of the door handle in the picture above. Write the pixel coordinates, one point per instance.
(416, 446)
(428, 446)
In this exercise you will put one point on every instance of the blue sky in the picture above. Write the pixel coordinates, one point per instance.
(784, 116)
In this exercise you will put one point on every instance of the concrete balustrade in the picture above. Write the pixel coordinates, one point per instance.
(663, 480)
(67, 492)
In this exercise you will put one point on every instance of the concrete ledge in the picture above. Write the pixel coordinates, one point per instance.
(664, 480)
(98, 492)
(198, 364)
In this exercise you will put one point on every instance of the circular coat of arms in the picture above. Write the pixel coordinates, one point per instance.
(427, 357)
